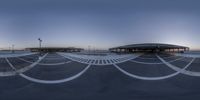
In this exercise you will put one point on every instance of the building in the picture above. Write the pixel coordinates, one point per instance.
(55, 49)
(149, 47)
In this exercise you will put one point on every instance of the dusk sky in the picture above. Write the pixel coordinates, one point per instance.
(99, 23)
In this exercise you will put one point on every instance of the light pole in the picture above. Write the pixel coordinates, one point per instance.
(9, 49)
(89, 49)
(13, 46)
(94, 50)
(40, 45)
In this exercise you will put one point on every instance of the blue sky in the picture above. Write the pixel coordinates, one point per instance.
(99, 23)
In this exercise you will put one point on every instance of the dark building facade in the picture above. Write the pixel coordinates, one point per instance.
(55, 49)
(149, 47)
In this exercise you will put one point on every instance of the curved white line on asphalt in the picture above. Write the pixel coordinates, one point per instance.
(16, 55)
(8, 73)
(145, 62)
(24, 69)
(186, 72)
(53, 58)
(49, 81)
(45, 64)
(54, 64)
(188, 55)
(146, 58)
(155, 63)
(55, 81)
(153, 78)
(169, 57)
(156, 58)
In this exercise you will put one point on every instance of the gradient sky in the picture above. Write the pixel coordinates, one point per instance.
(99, 23)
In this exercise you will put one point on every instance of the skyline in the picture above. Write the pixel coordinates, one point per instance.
(101, 24)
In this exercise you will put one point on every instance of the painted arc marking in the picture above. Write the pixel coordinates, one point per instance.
(12, 73)
(186, 72)
(54, 64)
(156, 58)
(50, 81)
(45, 64)
(8, 73)
(55, 81)
(188, 55)
(146, 58)
(16, 55)
(153, 78)
(53, 58)
(145, 62)
(155, 63)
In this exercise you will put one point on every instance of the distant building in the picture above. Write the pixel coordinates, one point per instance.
(150, 47)
(55, 49)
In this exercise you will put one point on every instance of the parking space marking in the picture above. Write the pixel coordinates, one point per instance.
(99, 60)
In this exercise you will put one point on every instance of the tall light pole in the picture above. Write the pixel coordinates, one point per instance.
(89, 49)
(40, 45)
(94, 50)
(9, 49)
(13, 46)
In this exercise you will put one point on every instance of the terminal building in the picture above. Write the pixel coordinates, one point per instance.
(149, 47)
(55, 49)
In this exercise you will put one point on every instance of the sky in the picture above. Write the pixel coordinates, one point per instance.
(100, 24)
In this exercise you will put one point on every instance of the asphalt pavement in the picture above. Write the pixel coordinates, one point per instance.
(56, 77)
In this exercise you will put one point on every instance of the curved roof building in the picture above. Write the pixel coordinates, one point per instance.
(150, 47)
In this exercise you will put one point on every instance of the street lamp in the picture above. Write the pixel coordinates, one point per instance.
(13, 46)
(89, 49)
(9, 49)
(40, 45)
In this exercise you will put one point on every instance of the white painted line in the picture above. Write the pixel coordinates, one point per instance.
(169, 57)
(48, 81)
(186, 72)
(16, 55)
(8, 73)
(24, 69)
(55, 81)
(54, 64)
(156, 58)
(24, 60)
(134, 61)
(145, 62)
(146, 58)
(107, 61)
(153, 78)
(188, 55)
(45, 64)
(99, 60)
(112, 61)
